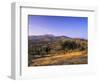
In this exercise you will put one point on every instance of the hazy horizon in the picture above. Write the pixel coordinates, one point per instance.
(58, 36)
(74, 27)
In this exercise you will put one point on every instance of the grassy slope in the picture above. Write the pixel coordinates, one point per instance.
(75, 57)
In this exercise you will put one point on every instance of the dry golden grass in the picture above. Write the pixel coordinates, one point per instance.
(75, 57)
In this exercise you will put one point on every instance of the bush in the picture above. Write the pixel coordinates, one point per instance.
(72, 45)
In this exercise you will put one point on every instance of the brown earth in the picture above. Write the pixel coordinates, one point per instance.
(69, 58)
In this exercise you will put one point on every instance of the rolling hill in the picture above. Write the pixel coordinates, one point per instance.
(43, 48)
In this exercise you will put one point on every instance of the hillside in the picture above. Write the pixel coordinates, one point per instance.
(56, 50)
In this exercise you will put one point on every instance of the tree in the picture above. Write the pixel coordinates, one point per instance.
(69, 45)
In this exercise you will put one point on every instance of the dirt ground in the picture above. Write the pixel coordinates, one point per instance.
(69, 58)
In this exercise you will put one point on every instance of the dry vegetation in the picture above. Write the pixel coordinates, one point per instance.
(68, 58)
(51, 50)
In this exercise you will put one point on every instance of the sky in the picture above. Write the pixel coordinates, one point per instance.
(74, 27)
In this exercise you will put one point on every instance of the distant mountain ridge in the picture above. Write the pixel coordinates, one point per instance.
(46, 37)
(50, 37)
